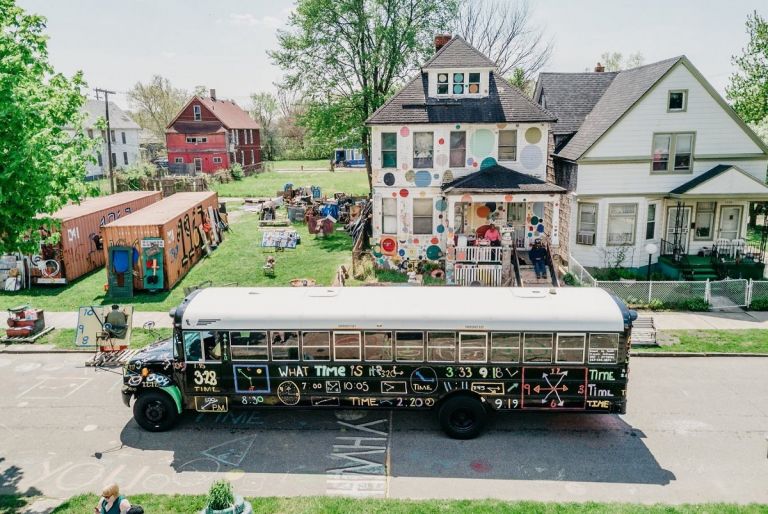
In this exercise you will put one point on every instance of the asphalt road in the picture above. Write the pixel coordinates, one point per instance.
(695, 432)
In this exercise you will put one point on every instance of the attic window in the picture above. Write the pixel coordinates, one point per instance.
(197, 112)
(442, 83)
(677, 101)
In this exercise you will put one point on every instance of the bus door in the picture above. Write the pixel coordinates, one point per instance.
(206, 378)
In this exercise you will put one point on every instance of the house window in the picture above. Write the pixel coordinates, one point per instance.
(672, 152)
(197, 112)
(98, 157)
(179, 160)
(677, 101)
(422, 215)
(389, 150)
(122, 136)
(389, 216)
(458, 83)
(442, 83)
(112, 136)
(507, 145)
(125, 158)
(650, 224)
(90, 133)
(193, 139)
(198, 164)
(587, 224)
(622, 218)
(474, 83)
(217, 160)
(423, 149)
(253, 157)
(458, 149)
(705, 220)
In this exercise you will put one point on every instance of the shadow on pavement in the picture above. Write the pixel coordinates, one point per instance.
(517, 446)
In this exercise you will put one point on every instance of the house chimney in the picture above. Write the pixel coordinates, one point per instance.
(599, 68)
(213, 95)
(441, 40)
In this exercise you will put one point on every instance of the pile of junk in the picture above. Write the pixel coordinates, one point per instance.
(321, 213)
(25, 324)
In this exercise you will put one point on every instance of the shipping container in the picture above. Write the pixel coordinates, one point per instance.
(80, 249)
(183, 225)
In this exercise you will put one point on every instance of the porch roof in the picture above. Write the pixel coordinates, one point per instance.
(498, 179)
(723, 180)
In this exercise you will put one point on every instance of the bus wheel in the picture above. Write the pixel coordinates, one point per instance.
(462, 417)
(155, 411)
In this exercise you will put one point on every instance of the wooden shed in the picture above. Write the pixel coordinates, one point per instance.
(80, 250)
(183, 226)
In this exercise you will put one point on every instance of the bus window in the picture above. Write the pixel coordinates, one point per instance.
(378, 346)
(346, 346)
(473, 347)
(211, 347)
(603, 348)
(409, 346)
(316, 345)
(537, 347)
(505, 347)
(193, 350)
(249, 346)
(441, 346)
(570, 348)
(285, 346)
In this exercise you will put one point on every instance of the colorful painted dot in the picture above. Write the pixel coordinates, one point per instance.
(404, 166)
(487, 163)
(394, 194)
(508, 198)
(483, 211)
(530, 234)
(404, 193)
(434, 240)
(441, 205)
(474, 164)
(404, 131)
(416, 240)
(466, 197)
(441, 141)
(470, 161)
(389, 179)
(440, 216)
(423, 178)
(409, 175)
(540, 228)
(535, 220)
(440, 229)
(434, 252)
(401, 252)
(436, 176)
(458, 126)
(388, 245)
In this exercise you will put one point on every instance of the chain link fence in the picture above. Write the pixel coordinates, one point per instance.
(683, 295)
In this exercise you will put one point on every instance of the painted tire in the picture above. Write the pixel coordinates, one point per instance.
(155, 411)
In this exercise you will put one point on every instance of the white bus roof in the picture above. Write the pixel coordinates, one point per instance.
(404, 308)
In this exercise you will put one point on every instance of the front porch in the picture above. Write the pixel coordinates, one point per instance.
(523, 208)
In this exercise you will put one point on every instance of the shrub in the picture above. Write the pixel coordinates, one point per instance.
(759, 304)
(689, 304)
(220, 495)
(569, 279)
(655, 304)
(236, 170)
(135, 174)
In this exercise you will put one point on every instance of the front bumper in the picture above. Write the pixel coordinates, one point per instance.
(126, 394)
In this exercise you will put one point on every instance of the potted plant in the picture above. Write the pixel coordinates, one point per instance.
(221, 500)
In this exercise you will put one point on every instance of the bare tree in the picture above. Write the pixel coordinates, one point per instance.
(615, 61)
(155, 103)
(504, 31)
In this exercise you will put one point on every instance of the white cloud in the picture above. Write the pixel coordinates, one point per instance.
(168, 54)
(249, 20)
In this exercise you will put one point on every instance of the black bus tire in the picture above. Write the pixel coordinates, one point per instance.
(462, 417)
(155, 411)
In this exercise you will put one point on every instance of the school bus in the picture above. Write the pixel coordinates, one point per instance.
(460, 351)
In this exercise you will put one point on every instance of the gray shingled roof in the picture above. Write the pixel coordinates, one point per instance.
(118, 119)
(497, 178)
(709, 174)
(457, 52)
(571, 96)
(504, 103)
(624, 91)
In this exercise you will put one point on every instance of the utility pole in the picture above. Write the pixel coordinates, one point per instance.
(109, 136)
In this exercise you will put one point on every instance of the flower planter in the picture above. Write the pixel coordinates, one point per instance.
(240, 507)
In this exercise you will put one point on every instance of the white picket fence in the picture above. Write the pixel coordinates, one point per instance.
(473, 274)
(478, 254)
(719, 294)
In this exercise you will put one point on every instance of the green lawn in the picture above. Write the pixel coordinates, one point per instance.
(319, 164)
(239, 260)
(179, 504)
(268, 183)
(724, 341)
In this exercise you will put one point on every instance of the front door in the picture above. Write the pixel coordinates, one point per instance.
(198, 165)
(516, 218)
(678, 226)
(730, 222)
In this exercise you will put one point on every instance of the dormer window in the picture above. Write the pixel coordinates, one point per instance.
(677, 101)
(458, 83)
(197, 112)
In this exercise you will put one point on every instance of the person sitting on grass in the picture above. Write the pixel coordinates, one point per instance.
(111, 502)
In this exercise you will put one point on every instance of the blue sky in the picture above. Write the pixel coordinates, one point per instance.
(223, 43)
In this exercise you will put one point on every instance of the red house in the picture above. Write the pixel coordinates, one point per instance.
(211, 134)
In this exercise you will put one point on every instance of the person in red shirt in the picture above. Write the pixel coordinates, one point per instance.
(493, 235)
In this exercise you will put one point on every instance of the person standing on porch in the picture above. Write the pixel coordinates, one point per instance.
(538, 255)
(493, 236)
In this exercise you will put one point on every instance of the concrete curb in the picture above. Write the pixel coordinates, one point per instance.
(46, 351)
(695, 354)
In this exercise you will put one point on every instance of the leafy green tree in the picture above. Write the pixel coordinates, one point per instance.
(520, 80)
(748, 89)
(265, 110)
(43, 150)
(615, 61)
(350, 55)
(154, 104)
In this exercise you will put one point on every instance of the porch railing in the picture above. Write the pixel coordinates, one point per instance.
(479, 254)
(736, 251)
(478, 274)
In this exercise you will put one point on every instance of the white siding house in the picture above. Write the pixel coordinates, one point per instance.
(124, 135)
(456, 149)
(658, 158)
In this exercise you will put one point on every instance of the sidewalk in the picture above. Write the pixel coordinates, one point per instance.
(662, 320)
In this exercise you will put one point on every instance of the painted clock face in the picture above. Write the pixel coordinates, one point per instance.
(288, 393)
(251, 379)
